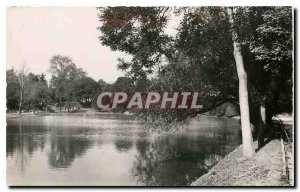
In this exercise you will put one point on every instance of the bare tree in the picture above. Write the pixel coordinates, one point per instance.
(21, 78)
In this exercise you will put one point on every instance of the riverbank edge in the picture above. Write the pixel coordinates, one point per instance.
(265, 169)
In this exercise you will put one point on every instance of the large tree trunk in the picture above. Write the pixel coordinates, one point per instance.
(248, 146)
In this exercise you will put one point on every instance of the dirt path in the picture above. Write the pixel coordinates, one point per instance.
(265, 169)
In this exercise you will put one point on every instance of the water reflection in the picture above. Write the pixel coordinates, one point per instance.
(172, 161)
(123, 145)
(179, 160)
(65, 147)
(22, 141)
(24, 138)
(55, 150)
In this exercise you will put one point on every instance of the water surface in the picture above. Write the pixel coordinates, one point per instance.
(112, 149)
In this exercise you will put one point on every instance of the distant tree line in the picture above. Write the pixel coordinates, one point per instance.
(69, 86)
(24, 92)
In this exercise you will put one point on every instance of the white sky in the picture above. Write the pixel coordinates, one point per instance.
(34, 35)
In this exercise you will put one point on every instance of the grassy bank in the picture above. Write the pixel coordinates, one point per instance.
(265, 169)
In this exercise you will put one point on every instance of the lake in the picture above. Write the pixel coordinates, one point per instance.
(112, 149)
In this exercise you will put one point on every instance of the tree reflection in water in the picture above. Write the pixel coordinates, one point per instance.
(167, 160)
(123, 145)
(179, 160)
(22, 141)
(66, 145)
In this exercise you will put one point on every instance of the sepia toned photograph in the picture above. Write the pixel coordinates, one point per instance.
(150, 96)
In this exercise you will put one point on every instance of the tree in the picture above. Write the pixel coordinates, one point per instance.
(33, 94)
(12, 90)
(201, 44)
(83, 90)
(200, 55)
(248, 147)
(103, 85)
(123, 84)
(64, 71)
(38, 92)
(22, 78)
(266, 36)
(137, 31)
(141, 84)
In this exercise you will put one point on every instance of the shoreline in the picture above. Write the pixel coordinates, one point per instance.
(16, 114)
(236, 170)
(272, 165)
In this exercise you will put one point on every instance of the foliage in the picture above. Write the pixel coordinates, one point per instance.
(123, 84)
(266, 33)
(83, 90)
(137, 31)
(103, 85)
(12, 90)
(37, 93)
(200, 55)
(68, 83)
(64, 73)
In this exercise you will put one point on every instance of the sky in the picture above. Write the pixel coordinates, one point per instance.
(35, 34)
